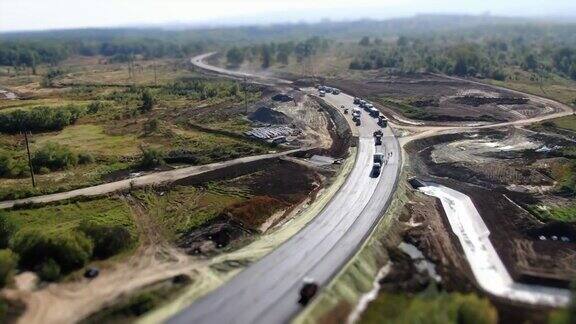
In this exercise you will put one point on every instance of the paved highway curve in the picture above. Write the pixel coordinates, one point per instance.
(268, 290)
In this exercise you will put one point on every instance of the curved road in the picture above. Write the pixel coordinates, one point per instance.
(268, 290)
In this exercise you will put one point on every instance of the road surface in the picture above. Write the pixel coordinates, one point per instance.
(142, 181)
(268, 290)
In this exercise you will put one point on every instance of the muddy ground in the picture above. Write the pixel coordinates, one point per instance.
(503, 174)
(272, 187)
(440, 99)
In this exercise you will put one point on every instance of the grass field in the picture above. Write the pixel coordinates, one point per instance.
(553, 87)
(91, 138)
(567, 123)
(66, 216)
(184, 208)
(430, 307)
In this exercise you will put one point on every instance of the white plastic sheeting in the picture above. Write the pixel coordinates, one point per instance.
(488, 269)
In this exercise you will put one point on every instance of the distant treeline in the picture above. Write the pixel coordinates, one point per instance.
(270, 53)
(485, 57)
(30, 53)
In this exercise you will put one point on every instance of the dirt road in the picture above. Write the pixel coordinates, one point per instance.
(143, 181)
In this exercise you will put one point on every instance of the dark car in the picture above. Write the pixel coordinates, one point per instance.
(282, 97)
(308, 291)
(91, 272)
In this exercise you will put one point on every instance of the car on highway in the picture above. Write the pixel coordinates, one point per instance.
(345, 111)
(382, 121)
(356, 100)
(91, 273)
(336, 91)
(308, 291)
(377, 164)
(322, 93)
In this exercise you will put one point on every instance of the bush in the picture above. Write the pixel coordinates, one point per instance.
(39, 119)
(69, 250)
(151, 126)
(148, 101)
(54, 157)
(49, 271)
(85, 158)
(8, 262)
(107, 240)
(151, 158)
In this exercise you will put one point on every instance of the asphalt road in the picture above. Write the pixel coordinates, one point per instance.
(268, 290)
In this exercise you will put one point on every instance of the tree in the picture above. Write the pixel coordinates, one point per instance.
(530, 63)
(365, 41)
(235, 56)
(266, 56)
(148, 101)
(54, 156)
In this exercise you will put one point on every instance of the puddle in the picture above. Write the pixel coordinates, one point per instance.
(421, 263)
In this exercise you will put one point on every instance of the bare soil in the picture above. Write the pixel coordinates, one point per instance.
(442, 99)
(514, 231)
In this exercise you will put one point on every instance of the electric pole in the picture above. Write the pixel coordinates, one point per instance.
(155, 75)
(245, 96)
(29, 159)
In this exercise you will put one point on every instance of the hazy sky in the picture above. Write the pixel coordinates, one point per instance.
(52, 14)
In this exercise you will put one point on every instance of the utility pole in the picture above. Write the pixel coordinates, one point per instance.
(155, 75)
(245, 96)
(29, 160)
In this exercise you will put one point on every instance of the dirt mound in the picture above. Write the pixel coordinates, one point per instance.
(478, 101)
(255, 211)
(267, 115)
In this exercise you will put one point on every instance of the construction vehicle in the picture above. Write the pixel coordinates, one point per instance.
(307, 292)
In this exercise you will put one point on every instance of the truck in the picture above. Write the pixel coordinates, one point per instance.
(378, 137)
(382, 121)
(377, 164)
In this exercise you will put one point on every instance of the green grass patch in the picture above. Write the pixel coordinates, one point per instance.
(406, 109)
(562, 214)
(92, 138)
(566, 122)
(66, 217)
(430, 307)
(185, 208)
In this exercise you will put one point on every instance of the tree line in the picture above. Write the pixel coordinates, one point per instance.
(281, 53)
(486, 57)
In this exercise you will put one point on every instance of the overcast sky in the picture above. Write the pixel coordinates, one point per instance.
(56, 14)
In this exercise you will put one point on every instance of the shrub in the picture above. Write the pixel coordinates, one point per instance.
(6, 164)
(49, 271)
(85, 158)
(107, 240)
(151, 158)
(54, 157)
(8, 262)
(39, 119)
(148, 101)
(69, 250)
(151, 126)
